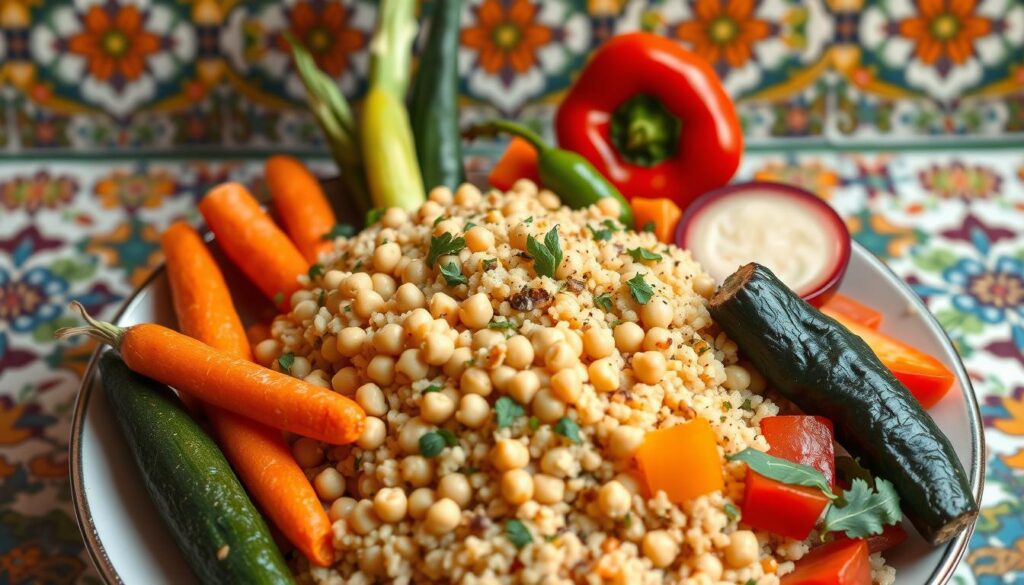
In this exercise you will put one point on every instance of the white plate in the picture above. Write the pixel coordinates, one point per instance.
(129, 544)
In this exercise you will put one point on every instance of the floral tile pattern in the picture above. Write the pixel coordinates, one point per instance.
(159, 74)
(950, 223)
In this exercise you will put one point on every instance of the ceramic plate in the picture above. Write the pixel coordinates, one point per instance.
(129, 544)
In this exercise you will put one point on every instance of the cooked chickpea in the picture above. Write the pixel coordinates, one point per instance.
(458, 362)
(517, 236)
(410, 433)
(604, 375)
(437, 348)
(317, 378)
(368, 302)
(518, 352)
(557, 462)
(743, 549)
(437, 407)
(628, 337)
(704, 285)
(350, 340)
(362, 518)
(446, 226)
(467, 195)
(299, 296)
(523, 386)
(475, 381)
(501, 377)
(332, 279)
(440, 194)
(386, 256)
(305, 310)
(389, 339)
(609, 206)
(649, 366)
(547, 489)
(416, 470)
(420, 501)
(415, 272)
(559, 356)
(390, 504)
(381, 369)
(345, 381)
(300, 367)
(544, 338)
(659, 546)
(374, 434)
(409, 297)
(455, 486)
(329, 484)
(442, 516)
(267, 351)
(371, 399)
(487, 338)
(566, 385)
(656, 313)
(473, 410)
(394, 217)
(549, 200)
(371, 560)
(628, 481)
(598, 343)
(411, 365)
(341, 509)
(525, 187)
(384, 285)
(476, 311)
(429, 211)
(547, 407)
(417, 325)
(624, 441)
(657, 339)
(329, 348)
(516, 486)
(614, 499)
(444, 307)
(479, 239)
(709, 565)
(736, 378)
(509, 454)
(354, 284)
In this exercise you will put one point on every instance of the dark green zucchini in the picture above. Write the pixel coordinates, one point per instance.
(223, 537)
(825, 370)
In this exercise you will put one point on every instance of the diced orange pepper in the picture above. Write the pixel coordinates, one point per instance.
(662, 212)
(518, 162)
(683, 461)
(842, 305)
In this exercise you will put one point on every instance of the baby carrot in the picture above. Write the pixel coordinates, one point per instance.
(301, 205)
(232, 383)
(253, 242)
(258, 453)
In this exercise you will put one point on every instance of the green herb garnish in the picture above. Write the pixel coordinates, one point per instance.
(453, 274)
(649, 227)
(340, 230)
(528, 220)
(439, 219)
(432, 443)
(547, 256)
(533, 423)
(286, 362)
(315, 271)
(731, 511)
(864, 512)
(518, 533)
(444, 245)
(489, 263)
(641, 291)
(783, 470)
(604, 300)
(373, 216)
(431, 388)
(507, 411)
(644, 255)
(568, 429)
(501, 325)
(600, 234)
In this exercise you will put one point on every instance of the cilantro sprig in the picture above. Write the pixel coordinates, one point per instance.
(453, 274)
(507, 411)
(444, 245)
(547, 256)
(641, 291)
(644, 255)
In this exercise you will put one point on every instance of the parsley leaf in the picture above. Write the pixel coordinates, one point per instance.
(782, 470)
(320, 299)
(644, 255)
(731, 511)
(453, 274)
(489, 263)
(432, 443)
(315, 271)
(508, 411)
(444, 245)
(547, 256)
(864, 512)
(373, 216)
(650, 226)
(518, 533)
(533, 423)
(449, 437)
(568, 429)
(600, 234)
(340, 230)
(641, 291)
(501, 325)
(286, 361)
(439, 219)
(604, 300)
(431, 388)
(528, 220)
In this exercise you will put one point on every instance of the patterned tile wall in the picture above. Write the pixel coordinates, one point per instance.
(160, 74)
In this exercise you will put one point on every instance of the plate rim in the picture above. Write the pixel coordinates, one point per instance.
(940, 575)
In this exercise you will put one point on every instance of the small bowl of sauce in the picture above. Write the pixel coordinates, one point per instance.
(789, 230)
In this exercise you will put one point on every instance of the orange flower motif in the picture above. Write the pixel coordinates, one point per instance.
(325, 34)
(114, 42)
(133, 190)
(945, 29)
(724, 30)
(506, 36)
(21, 562)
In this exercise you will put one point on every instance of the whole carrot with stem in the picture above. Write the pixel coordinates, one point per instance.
(301, 205)
(254, 242)
(227, 381)
(205, 311)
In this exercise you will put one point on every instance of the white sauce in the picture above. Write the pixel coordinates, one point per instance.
(790, 237)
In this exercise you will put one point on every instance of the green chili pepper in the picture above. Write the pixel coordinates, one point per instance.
(568, 174)
(435, 92)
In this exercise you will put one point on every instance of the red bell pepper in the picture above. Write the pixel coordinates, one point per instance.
(844, 306)
(926, 378)
(781, 508)
(802, 439)
(892, 535)
(843, 562)
(653, 118)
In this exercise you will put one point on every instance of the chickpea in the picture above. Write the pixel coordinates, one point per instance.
(659, 546)
(547, 489)
(384, 285)
(437, 407)
(386, 256)
(649, 366)
(737, 378)
(318, 378)
(389, 339)
(609, 206)
(544, 338)
(437, 348)
(517, 486)
(417, 325)
(345, 381)
(549, 200)
(428, 212)
(525, 187)
(467, 195)
(704, 285)
(368, 302)
(514, 206)
(394, 217)
(299, 296)
(473, 410)
(560, 356)
(657, 339)
(709, 565)
(354, 284)
(411, 365)
(390, 504)
(444, 307)
(628, 481)
(300, 367)
(415, 272)
(624, 441)
(656, 313)
(475, 381)
(332, 279)
(371, 560)
(371, 399)
(502, 376)
(517, 236)
(367, 485)
(329, 484)
(381, 369)
(410, 433)
(307, 452)
(598, 343)
(305, 310)
(558, 462)
(628, 337)
(329, 348)
(547, 407)
(476, 311)
(420, 501)
(479, 239)
(442, 516)
(614, 499)
(416, 470)
(374, 434)
(409, 297)
(362, 518)
(440, 194)
(509, 454)
(341, 509)
(486, 339)
(523, 386)
(743, 549)
(267, 351)
(518, 352)
(458, 362)
(566, 385)
(455, 486)
(604, 375)
(350, 341)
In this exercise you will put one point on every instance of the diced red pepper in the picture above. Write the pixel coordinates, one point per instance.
(781, 508)
(843, 562)
(892, 535)
(802, 439)
(840, 304)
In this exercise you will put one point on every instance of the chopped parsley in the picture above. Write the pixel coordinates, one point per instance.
(644, 255)
(286, 361)
(568, 429)
(431, 388)
(641, 291)
(604, 300)
(507, 411)
(373, 216)
(315, 271)
(518, 533)
(432, 443)
(600, 234)
(489, 263)
(439, 219)
(546, 256)
(533, 423)
(501, 325)
(731, 511)
(444, 245)
(469, 225)
(340, 230)
(528, 220)
(323, 297)
(453, 274)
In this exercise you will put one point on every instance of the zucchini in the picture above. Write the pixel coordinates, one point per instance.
(824, 369)
(223, 537)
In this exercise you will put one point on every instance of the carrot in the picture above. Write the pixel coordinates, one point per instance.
(253, 242)
(518, 162)
(232, 383)
(258, 453)
(690, 446)
(257, 332)
(301, 205)
(661, 212)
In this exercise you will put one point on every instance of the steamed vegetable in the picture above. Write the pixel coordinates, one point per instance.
(301, 205)
(803, 439)
(690, 446)
(254, 242)
(566, 173)
(826, 370)
(222, 536)
(660, 215)
(781, 508)
(519, 161)
(839, 563)
(843, 306)
(435, 94)
(234, 384)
